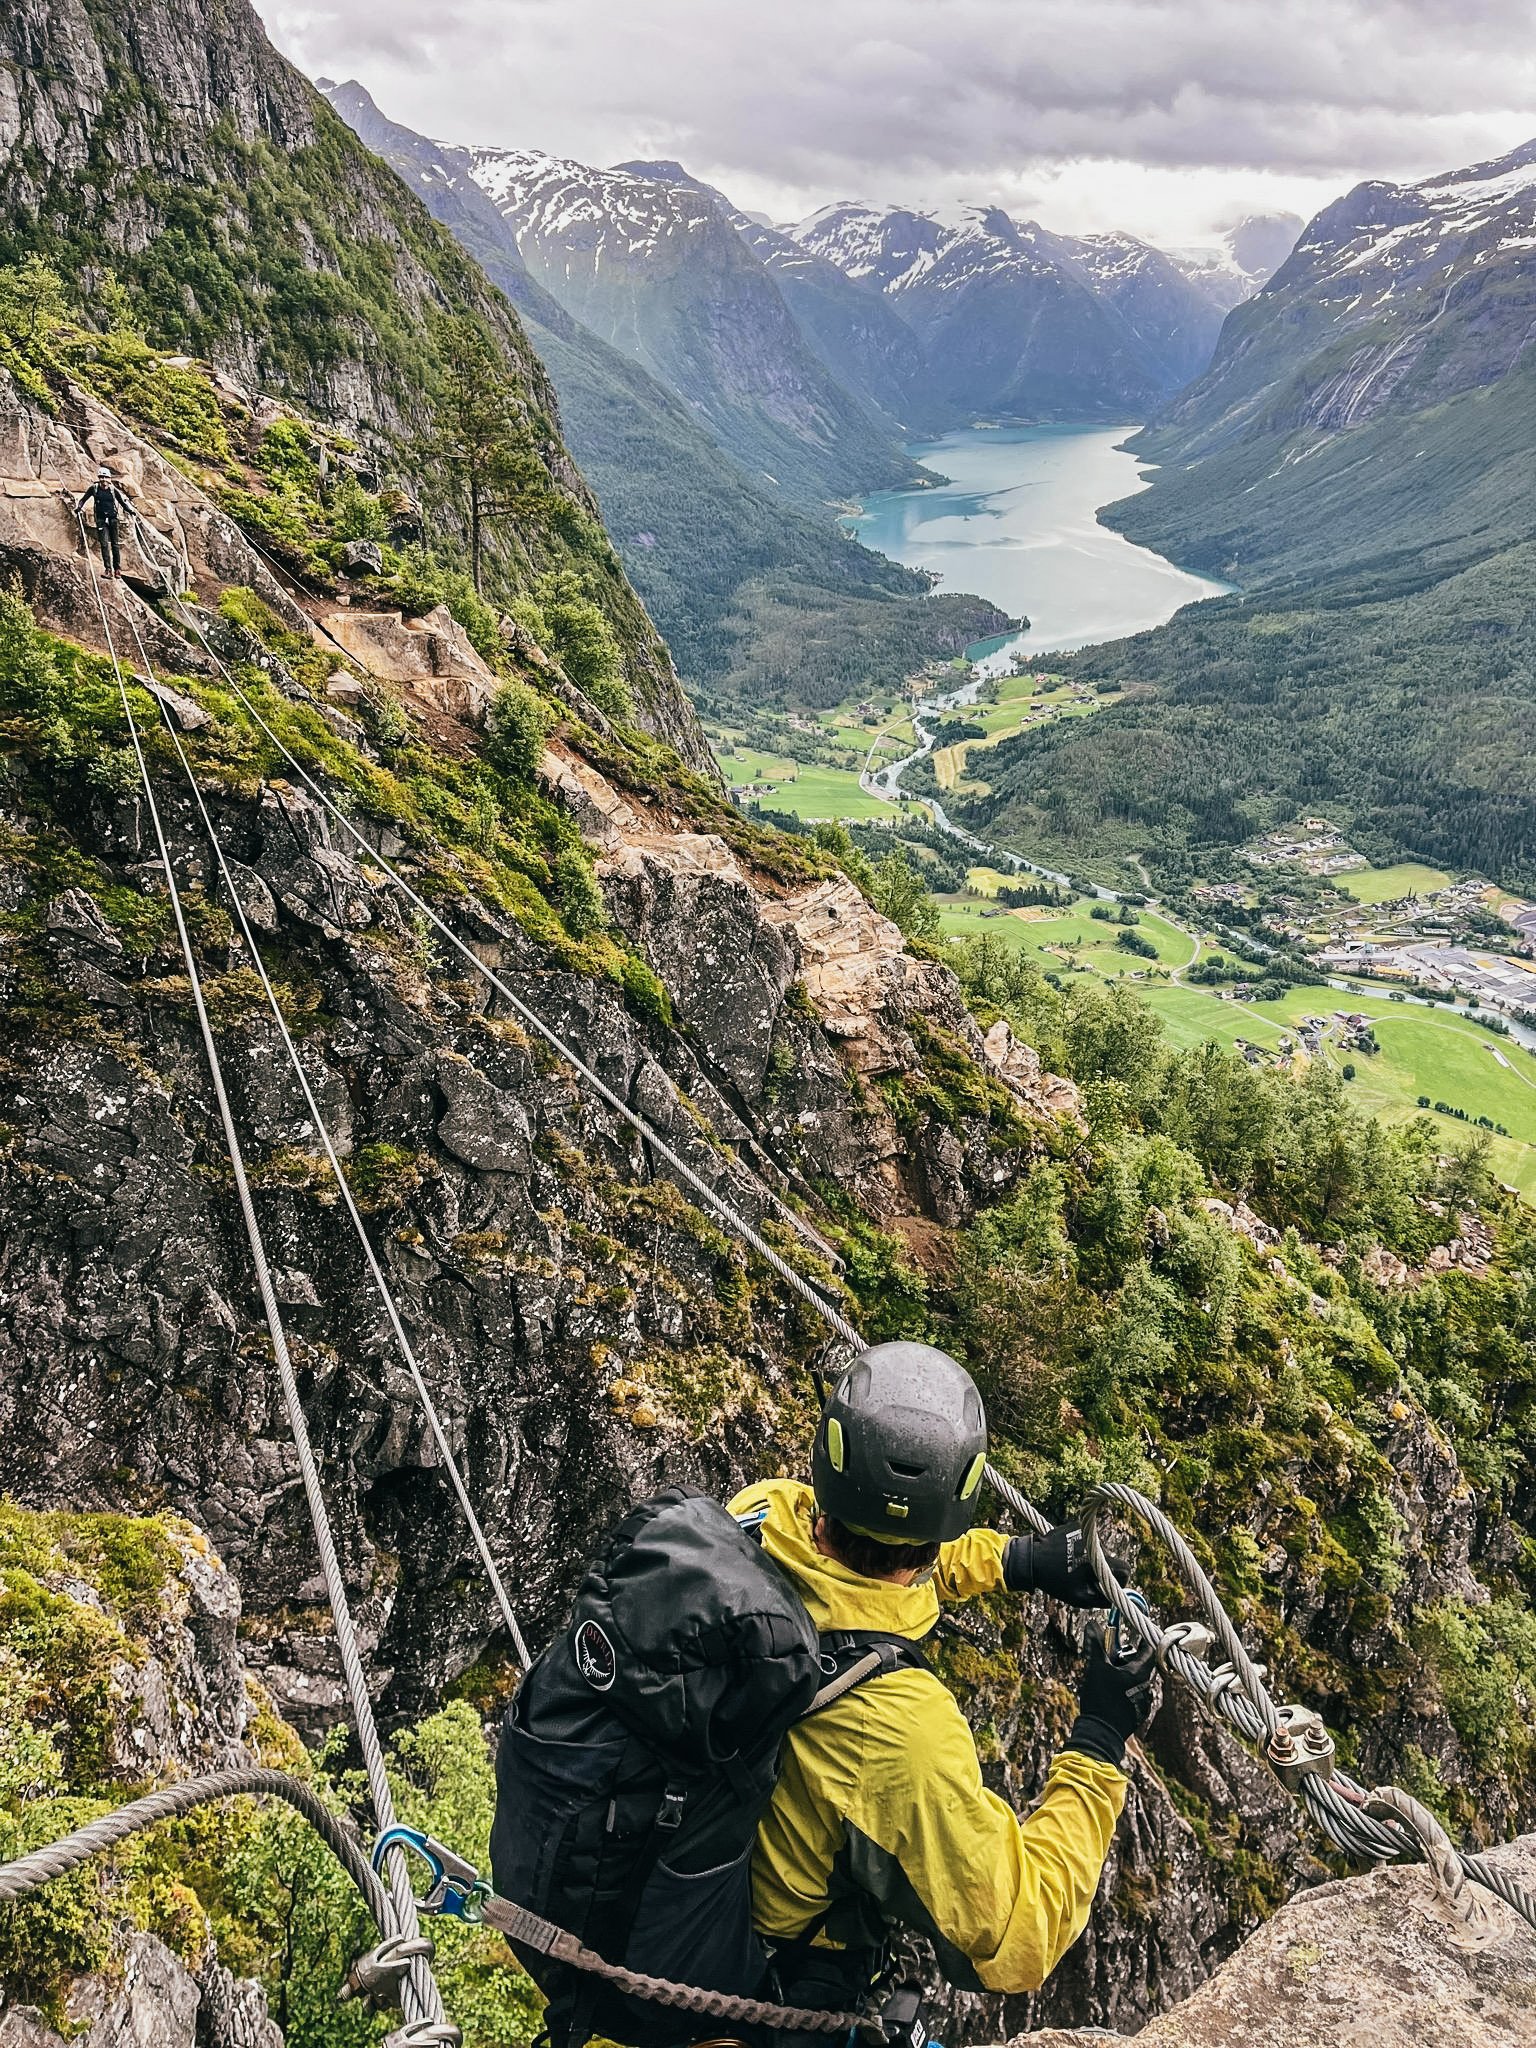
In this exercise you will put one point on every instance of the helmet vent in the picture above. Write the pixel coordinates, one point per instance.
(905, 1471)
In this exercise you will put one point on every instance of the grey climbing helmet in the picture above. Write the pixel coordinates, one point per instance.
(901, 1446)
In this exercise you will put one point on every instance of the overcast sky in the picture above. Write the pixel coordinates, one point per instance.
(1172, 118)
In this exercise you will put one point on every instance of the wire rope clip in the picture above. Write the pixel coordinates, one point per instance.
(1300, 1747)
(457, 1888)
(1191, 1638)
(379, 1973)
(1227, 1678)
(424, 2034)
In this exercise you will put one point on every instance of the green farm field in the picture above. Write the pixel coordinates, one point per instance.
(1423, 1052)
(1390, 885)
(817, 793)
(1072, 938)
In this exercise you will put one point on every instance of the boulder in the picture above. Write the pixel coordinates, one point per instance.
(1370, 1962)
(362, 558)
(431, 656)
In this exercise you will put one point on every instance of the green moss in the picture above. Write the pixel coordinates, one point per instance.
(384, 1177)
(1484, 1659)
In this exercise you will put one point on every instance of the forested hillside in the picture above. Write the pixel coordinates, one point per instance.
(1359, 458)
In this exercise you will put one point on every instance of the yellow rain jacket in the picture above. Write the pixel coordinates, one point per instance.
(880, 1795)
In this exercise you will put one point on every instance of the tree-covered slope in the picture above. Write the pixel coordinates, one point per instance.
(181, 175)
(1360, 459)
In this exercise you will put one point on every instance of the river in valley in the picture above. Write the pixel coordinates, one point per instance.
(1017, 523)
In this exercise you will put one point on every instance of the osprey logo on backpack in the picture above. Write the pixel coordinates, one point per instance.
(595, 1659)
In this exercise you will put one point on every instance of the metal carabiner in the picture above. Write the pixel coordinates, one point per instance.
(457, 1887)
(1120, 1641)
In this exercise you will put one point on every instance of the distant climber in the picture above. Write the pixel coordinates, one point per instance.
(879, 1815)
(735, 1769)
(105, 497)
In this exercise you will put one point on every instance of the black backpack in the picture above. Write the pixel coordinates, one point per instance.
(641, 1751)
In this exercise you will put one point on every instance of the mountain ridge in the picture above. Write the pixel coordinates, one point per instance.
(756, 597)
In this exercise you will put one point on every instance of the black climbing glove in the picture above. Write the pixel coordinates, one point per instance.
(1116, 1700)
(1056, 1564)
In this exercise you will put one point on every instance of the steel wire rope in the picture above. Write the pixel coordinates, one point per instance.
(830, 1314)
(381, 1284)
(744, 1230)
(421, 1987)
(40, 1866)
(1359, 1822)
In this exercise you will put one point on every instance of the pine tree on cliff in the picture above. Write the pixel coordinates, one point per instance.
(481, 434)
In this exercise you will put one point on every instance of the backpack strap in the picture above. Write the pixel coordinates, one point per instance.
(853, 1656)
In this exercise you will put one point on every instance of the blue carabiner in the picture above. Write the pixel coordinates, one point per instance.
(457, 1887)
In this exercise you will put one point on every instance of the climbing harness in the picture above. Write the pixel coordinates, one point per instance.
(1369, 1826)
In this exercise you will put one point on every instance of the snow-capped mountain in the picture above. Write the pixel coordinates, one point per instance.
(864, 342)
(1374, 402)
(1394, 297)
(1242, 260)
(1015, 318)
(654, 265)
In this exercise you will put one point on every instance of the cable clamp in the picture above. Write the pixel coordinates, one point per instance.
(1227, 1678)
(1122, 1639)
(425, 2034)
(1300, 1747)
(378, 1974)
(457, 1888)
(1191, 1638)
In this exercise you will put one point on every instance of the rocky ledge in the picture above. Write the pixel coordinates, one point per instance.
(1372, 1962)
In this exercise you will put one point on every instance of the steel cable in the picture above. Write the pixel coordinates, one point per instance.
(380, 1282)
(775, 1260)
(1370, 1827)
(26, 1873)
(1237, 1691)
(421, 1988)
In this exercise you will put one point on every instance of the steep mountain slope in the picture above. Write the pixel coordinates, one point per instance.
(755, 596)
(654, 268)
(864, 341)
(1372, 396)
(1359, 457)
(1015, 319)
(180, 154)
(1355, 1456)
(1351, 1452)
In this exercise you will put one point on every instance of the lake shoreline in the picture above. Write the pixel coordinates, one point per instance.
(1017, 522)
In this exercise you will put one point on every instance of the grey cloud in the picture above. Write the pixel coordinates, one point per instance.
(924, 98)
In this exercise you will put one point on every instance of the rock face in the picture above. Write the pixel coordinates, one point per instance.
(110, 131)
(155, 2001)
(1374, 1962)
(431, 657)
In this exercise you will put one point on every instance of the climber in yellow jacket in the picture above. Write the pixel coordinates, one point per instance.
(880, 1816)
